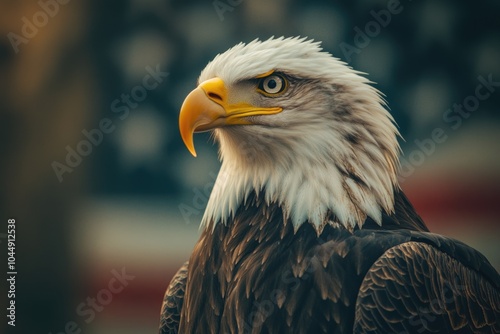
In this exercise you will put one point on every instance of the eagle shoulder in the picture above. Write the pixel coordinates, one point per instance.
(172, 302)
(419, 287)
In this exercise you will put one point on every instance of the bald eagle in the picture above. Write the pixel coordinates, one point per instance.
(307, 229)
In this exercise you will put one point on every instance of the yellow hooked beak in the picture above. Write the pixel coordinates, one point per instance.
(207, 107)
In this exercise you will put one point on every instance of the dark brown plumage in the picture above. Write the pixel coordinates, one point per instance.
(419, 287)
(255, 275)
(172, 302)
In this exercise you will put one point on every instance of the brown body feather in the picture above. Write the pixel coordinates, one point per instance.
(257, 275)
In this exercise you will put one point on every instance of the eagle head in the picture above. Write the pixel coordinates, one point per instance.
(300, 127)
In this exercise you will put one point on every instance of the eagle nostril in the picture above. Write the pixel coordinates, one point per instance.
(215, 96)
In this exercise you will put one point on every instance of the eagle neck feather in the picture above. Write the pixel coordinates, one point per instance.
(308, 191)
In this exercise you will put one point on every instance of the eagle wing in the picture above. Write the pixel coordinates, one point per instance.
(172, 302)
(415, 288)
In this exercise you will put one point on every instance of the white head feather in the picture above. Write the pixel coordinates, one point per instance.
(332, 150)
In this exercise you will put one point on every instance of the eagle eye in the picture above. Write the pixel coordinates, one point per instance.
(272, 85)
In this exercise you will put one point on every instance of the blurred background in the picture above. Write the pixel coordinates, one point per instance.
(95, 173)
